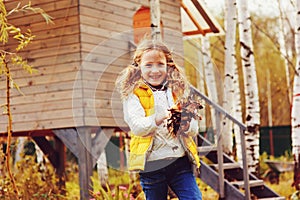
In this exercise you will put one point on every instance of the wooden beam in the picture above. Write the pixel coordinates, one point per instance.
(69, 137)
(205, 16)
(60, 170)
(100, 141)
(85, 161)
(200, 30)
(47, 149)
(34, 133)
(203, 32)
(87, 149)
(56, 156)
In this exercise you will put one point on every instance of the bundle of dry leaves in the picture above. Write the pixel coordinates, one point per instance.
(182, 113)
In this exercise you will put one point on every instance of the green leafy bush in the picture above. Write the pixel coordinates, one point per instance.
(34, 181)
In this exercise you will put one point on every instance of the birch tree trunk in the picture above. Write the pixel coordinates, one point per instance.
(230, 63)
(296, 105)
(209, 77)
(201, 86)
(251, 89)
(20, 147)
(155, 19)
(238, 115)
(102, 169)
(283, 49)
(232, 92)
(39, 154)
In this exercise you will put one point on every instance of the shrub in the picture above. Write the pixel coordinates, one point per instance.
(34, 181)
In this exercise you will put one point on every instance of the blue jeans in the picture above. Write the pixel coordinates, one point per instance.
(178, 175)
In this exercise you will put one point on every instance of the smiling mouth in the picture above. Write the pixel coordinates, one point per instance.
(155, 77)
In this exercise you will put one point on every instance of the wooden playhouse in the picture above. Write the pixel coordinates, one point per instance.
(72, 98)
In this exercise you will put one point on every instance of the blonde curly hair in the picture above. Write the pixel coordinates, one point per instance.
(130, 77)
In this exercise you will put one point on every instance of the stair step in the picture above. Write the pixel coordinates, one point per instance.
(211, 176)
(203, 150)
(252, 183)
(227, 166)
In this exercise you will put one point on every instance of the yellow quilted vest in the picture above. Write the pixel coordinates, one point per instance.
(139, 145)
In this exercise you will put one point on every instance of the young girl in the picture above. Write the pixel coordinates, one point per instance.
(149, 87)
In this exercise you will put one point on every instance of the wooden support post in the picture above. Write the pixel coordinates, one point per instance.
(61, 160)
(87, 150)
(47, 149)
(85, 161)
(270, 118)
(121, 145)
(56, 156)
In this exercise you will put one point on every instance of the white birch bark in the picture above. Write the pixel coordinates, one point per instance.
(295, 118)
(236, 96)
(209, 77)
(19, 149)
(39, 154)
(251, 89)
(197, 62)
(230, 62)
(155, 19)
(237, 114)
(102, 169)
(201, 87)
(283, 49)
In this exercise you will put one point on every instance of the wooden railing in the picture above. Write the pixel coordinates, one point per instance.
(219, 111)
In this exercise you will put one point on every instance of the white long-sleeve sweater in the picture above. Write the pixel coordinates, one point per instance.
(164, 144)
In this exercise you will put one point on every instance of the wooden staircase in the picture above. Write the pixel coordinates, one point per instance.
(234, 184)
(227, 177)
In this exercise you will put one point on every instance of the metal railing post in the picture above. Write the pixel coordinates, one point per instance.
(245, 165)
(220, 154)
(219, 110)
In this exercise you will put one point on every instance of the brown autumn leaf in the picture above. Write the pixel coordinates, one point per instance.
(182, 113)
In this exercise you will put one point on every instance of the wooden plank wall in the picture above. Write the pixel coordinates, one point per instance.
(55, 53)
(106, 33)
(78, 59)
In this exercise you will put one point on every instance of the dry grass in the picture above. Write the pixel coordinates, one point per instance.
(36, 184)
(284, 188)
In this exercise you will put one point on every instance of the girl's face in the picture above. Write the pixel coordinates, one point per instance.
(154, 67)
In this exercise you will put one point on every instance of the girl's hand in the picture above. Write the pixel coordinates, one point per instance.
(185, 124)
(161, 116)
